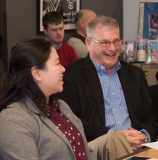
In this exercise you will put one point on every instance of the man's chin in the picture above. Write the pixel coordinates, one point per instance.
(60, 40)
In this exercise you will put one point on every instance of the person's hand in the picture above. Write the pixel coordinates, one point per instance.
(135, 138)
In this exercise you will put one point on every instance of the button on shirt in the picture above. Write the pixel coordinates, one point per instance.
(117, 116)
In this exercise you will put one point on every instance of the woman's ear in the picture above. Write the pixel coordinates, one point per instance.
(36, 73)
(45, 31)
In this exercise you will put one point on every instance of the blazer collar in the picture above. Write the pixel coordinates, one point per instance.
(127, 80)
(47, 121)
(125, 75)
(90, 73)
(71, 117)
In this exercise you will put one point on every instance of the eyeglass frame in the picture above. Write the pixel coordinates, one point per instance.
(102, 42)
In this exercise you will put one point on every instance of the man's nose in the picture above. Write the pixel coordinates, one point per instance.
(112, 46)
(58, 31)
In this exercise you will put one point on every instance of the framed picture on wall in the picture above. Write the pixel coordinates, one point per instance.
(68, 9)
(148, 21)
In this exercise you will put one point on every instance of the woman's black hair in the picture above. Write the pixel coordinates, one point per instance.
(25, 55)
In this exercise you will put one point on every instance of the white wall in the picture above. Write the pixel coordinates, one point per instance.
(131, 18)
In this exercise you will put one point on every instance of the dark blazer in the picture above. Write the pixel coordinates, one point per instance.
(1, 68)
(83, 93)
(153, 92)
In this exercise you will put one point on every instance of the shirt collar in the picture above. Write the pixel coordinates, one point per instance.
(58, 47)
(101, 69)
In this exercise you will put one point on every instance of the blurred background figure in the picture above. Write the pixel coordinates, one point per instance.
(77, 40)
(53, 27)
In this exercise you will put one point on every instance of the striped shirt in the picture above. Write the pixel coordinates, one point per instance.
(117, 116)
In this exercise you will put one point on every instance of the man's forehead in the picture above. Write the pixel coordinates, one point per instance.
(55, 25)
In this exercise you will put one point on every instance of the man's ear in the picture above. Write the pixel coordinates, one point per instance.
(36, 74)
(88, 43)
(81, 22)
(45, 31)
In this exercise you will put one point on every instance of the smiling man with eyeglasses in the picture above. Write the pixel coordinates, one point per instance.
(110, 96)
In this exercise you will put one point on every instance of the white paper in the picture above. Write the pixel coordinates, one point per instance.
(153, 145)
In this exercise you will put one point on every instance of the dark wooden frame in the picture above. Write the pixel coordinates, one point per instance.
(68, 24)
(3, 32)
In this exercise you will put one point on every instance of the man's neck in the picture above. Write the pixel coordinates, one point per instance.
(57, 46)
(80, 33)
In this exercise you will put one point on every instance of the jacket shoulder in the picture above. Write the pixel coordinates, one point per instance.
(74, 65)
(130, 66)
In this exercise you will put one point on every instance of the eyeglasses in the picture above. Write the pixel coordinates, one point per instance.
(108, 43)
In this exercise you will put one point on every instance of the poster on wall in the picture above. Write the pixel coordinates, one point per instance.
(148, 21)
(67, 8)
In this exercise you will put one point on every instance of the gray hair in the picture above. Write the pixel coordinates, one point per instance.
(105, 21)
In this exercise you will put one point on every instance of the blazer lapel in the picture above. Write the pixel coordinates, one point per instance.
(128, 85)
(48, 122)
(92, 77)
(53, 127)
